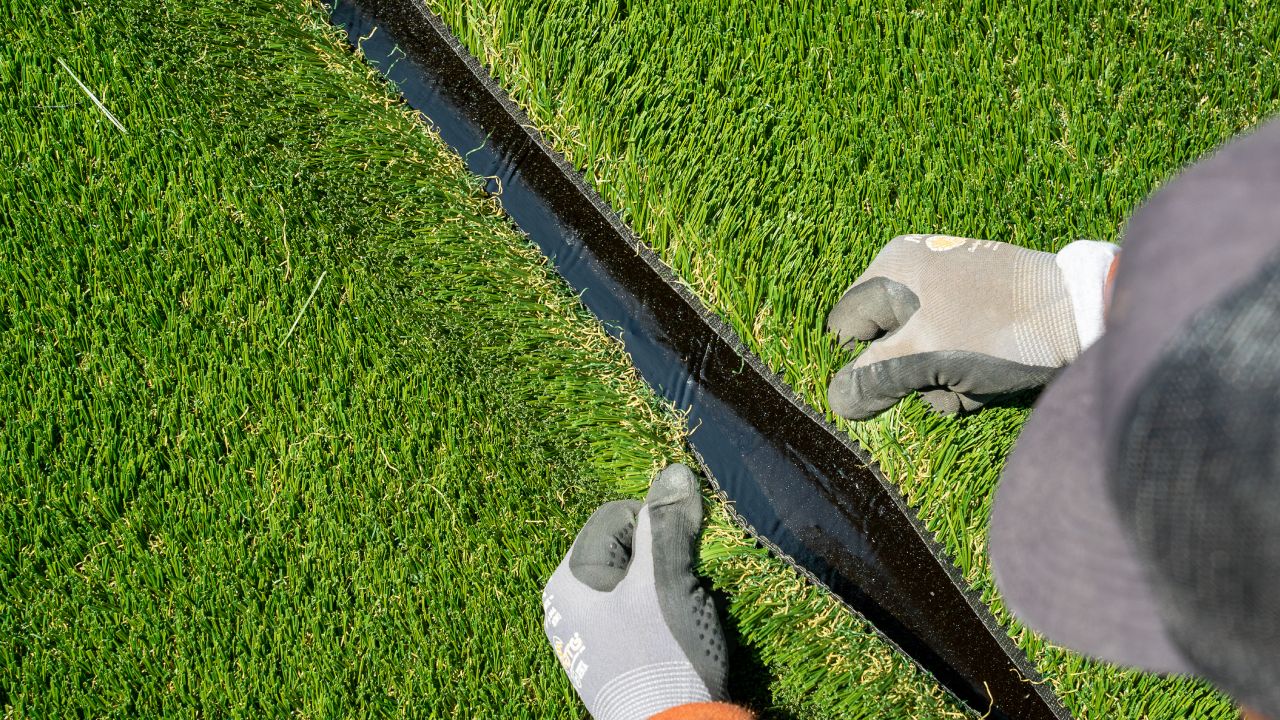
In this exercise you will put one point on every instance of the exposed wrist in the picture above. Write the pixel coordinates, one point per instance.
(705, 711)
(1086, 267)
(1111, 284)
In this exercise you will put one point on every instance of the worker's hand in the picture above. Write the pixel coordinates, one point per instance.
(964, 321)
(632, 626)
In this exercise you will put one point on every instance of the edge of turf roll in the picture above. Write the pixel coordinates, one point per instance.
(800, 486)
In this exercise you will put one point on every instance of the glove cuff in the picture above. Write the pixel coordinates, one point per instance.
(705, 711)
(1085, 265)
(647, 691)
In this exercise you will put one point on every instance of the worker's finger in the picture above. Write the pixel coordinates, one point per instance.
(666, 546)
(602, 550)
(667, 530)
(886, 371)
(861, 392)
(882, 375)
(871, 308)
(947, 402)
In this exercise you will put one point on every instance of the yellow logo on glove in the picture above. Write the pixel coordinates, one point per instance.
(943, 243)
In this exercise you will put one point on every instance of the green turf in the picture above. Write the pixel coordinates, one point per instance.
(212, 511)
(767, 150)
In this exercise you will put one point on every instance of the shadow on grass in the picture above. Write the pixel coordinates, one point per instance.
(1023, 400)
(750, 682)
(1020, 400)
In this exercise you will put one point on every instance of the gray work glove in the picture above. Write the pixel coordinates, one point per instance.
(964, 321)
(629, 621)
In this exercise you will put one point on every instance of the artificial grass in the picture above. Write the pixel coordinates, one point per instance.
(212, 511)
(768, 150)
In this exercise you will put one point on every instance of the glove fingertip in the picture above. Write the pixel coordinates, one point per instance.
(949, 402)
(847, 399)
(870, 308)
(610, 517)
(602, 551)
(943, 402)
(676, 484)
(673, 510)
(970, 404)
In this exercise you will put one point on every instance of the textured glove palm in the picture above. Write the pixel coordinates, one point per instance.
(629, 621)
(963, 321)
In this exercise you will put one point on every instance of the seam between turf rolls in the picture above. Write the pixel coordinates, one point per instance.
(785, 470)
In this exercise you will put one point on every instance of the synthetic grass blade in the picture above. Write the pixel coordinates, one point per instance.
(94, 98)
(305, 305)
(802, 487)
